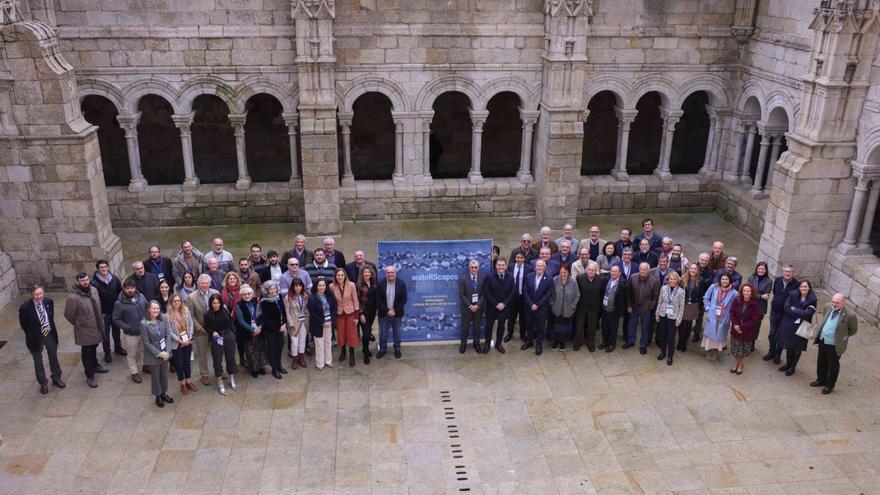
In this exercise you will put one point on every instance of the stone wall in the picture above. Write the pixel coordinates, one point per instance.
(8, 284)
(735, 203)
(646, 193)
(858, 278)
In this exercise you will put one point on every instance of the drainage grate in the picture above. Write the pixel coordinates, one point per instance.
(460, 470)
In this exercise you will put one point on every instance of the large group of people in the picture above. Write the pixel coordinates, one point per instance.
(593, 293)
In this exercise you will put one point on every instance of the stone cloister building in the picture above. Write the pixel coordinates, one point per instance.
(167, 112)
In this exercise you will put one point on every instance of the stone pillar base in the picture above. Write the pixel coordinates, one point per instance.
(295, 182)
(190, 184)
(398, 180)
(243, 183)
(137, 185)
(663, 175)
(709, 174)
(853, 249)
(762, 194)
(525, 177)
(619, 175)
(744, 179)
(475, 178)
(423, 180)
(347, 181)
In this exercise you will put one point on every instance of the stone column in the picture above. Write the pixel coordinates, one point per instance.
(237, 121)
(425, 127)
(183, 122)
(670, 119)
(855, 214)
(758, 186)
(731, 172)
(774, 157)
(706, 169)
(742, 174)
(525, 158)
(345, 123)
(290, 120)
(398, 176)
(871, 210)
(625, 119)
(478, 119)
(129, 124)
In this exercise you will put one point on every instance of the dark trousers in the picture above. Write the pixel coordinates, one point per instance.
(110, 329)
(698, 325)
(366, 329)
(51, 347)
(89, 356)
(684, 334)
(274, 345)
(242, 347)
(517, 313)
(643, 318)
(537, 329)
(827, 365)
(227, 351)
(586, 323)
(626, 315)
(792, 357)
(470, 319)
(492, 316)
(757, 331)
(610, 322)
(773, 338)
(182, 366)
(666, 335)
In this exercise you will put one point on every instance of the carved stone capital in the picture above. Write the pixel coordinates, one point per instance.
(568, 8)
(313, 9)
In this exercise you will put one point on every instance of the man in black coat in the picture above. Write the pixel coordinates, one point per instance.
(37, 319)
(146, 283)
(518, 270)
(160, 266)
(782, 287)
(499, 301)
(586, 319)
(472, 300)
(390, 304)
(108, 287)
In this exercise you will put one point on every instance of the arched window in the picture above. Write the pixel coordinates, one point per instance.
(213, 141)
(267, 144)
(451, 135)
(101, 112)
(159, 142)
(691, 136)
(600, 135)
(646, 134)
(502, 137)
(372, 138)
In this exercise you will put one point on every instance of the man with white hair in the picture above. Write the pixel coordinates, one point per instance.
(545, 241)
(472, 301)
(197, 303)
(565, 256)
(838, 325)
(146, 282)
(225, 261)
(525, 248)
(586, 321)
(333, 256)
(568, 235)
(390, 305)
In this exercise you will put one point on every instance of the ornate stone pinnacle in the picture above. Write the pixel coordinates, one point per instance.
(569, 8)
(314, 8)
(10, 12)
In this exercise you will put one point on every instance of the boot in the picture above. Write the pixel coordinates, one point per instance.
(184, 390)
(232, 382)
(192, 386)
(220, 387)
(351, 357)
(342, 355)
(295, 363)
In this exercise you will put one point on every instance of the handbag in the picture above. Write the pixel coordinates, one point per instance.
(807, 330)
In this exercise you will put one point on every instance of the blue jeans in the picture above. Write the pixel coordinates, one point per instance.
(384, 323)
(646, 317)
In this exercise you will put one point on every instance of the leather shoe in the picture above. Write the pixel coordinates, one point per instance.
(508, 337)
(591, 348)
(576, 346)
(58, 383)
(669, 362)
(159, 401)
(462, 348)
(817, 383)
(478, 348)
(282, 370)
(136, 378)
(121, 351)
(826, 391)
(380, 354)
(397, 354)
(108, 358)
(44, 388)
(499, 348)
(601, 345)
(101, 369)
(610, 348)
(789, 372)
(661, 357)
(167, 398)
(643, 350)
(276, 374)
(777, 360)
(525, 346)
(784, 367)
(627, 345)
(91, 382)
(767, 357)
(538, 352)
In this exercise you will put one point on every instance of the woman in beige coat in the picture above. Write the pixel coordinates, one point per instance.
(296, 304)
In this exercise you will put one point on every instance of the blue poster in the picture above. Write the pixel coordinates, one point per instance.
(431, 270)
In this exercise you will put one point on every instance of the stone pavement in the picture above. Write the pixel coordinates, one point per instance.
(439, 422)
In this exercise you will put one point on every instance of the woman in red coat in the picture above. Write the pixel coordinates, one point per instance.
(745, 316)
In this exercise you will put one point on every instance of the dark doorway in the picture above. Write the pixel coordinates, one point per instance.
(213, 141)
(691, 136)
(502, 137)
(600, 135)
(101, 112)
(450, 148)
(159, 142)
(267, 144)
(372, 138)
(645, 136)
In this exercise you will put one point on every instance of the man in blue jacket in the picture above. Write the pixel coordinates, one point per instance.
(499, 300)
(539, 288)
(390, 303)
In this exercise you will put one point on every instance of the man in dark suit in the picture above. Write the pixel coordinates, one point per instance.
(37, 319)
(551, 266)
(586, 320)
(539, 288)
(353, 269)
(109, 287)
(518, 271)
(614, 301)
(333, 256)
(390, 304)
(160, 266)
(565, 255)
(499, 300)
(782, 287)
(526, 249)
(838, 325)
(472, 300)
(147, 283)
